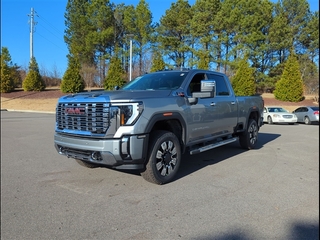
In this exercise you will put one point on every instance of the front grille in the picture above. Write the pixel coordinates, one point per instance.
(87, 117)
(287, 116)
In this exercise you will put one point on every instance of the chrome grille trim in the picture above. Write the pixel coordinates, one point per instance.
(83, 118)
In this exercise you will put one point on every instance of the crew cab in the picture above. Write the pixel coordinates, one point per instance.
(149, 123)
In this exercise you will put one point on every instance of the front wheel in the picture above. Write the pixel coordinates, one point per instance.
(270, 120)
(164, 158)
(249, 137)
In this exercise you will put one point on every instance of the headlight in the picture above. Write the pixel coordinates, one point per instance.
(127, 113)
(276, 115)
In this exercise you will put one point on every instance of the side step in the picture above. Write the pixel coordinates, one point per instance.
(213, 145)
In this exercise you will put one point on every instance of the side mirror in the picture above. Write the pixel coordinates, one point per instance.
(193, 100)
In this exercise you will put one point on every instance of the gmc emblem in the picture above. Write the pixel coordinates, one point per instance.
(75, 111)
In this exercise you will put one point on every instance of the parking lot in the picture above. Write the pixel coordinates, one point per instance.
(271, 192)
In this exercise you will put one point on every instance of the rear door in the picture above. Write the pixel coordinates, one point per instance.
(223, 106)
(300, 113)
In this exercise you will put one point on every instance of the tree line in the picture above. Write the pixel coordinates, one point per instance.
(211, 34)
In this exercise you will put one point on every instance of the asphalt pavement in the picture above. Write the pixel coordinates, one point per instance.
(271, 192)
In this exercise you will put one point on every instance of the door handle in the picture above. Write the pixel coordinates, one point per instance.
(233, 103)
(212, 104)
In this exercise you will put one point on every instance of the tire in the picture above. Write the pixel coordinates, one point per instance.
(86, 164)
(249, 138)
(163, 159)
(307, 121)
(270, 120)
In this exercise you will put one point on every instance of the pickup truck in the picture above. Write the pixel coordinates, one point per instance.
(149, 123)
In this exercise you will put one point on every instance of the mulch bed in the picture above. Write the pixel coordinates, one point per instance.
(47, 93)
(56, 93)
(275, 102)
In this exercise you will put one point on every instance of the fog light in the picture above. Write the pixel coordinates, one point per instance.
(96, 156)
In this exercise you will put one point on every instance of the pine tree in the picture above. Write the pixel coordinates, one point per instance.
(115, 75)
(290, 86)
(243, 82)
(157, 62)
(202, 29)
(173, 33)
(138, 21)
(33, 80)
(204, 59)
(7, 81)
(72, 82)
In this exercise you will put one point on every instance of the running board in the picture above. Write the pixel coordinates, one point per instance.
(214, 145)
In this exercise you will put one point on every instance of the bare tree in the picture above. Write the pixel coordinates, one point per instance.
(88, 72)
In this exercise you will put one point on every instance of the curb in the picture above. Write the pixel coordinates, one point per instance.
(31, 111)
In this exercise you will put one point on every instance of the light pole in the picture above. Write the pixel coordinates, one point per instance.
(130, 60)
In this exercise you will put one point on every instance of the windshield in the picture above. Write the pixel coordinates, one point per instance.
(277, 109)
(157, 81)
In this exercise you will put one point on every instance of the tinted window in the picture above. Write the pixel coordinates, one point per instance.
(276, 109)
(315, 108)
(195, 84)
(221, 86)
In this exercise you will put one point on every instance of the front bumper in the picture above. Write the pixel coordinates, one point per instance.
(128, 152)
(281, 120)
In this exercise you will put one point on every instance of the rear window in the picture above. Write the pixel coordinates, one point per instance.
(315, 108)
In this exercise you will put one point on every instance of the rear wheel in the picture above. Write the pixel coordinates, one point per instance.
(307, 120)
(249, 137)
(270, 120)
(164, 158)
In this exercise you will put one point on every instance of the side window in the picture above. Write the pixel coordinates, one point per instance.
(221, 86)
(195, 84)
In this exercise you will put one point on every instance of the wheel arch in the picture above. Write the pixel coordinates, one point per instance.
(254, 114)
(173, 123)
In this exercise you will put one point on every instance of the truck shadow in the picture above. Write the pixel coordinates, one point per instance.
(193, 163)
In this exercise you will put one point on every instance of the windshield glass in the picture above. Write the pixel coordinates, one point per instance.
(157, 81)
(277, 109)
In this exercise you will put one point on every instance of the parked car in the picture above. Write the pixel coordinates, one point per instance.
(276, 114)
(307, 114)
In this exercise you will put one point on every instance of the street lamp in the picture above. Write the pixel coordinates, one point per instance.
(130, 60)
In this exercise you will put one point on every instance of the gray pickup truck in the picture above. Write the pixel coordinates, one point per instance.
(151, 121)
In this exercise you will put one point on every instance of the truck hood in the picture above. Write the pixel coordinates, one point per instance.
(119, 95)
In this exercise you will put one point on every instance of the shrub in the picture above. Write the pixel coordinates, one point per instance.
(72, 82)
(243, 81)
(290, 86)
(33, 80)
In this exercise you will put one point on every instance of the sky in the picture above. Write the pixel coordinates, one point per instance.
(49, 47)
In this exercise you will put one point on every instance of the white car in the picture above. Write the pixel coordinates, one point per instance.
(275, 114)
